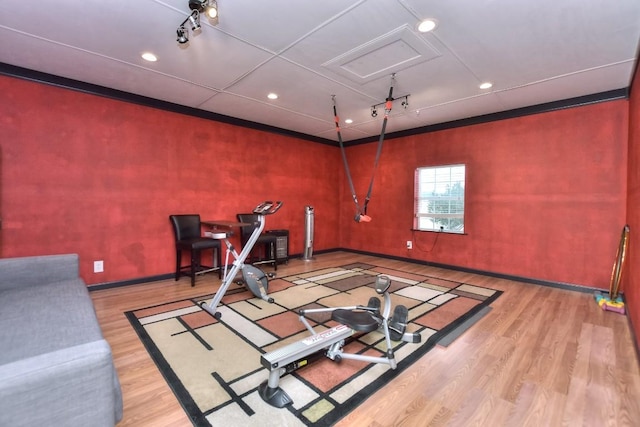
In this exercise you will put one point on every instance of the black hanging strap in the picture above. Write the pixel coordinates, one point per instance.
(361, 213)
(344, 155)
(387, 111)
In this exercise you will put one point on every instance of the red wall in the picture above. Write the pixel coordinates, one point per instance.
(631, 283)
(99, 177)
(545, 195)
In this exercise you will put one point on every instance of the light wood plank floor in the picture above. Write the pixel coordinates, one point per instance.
(541, 357)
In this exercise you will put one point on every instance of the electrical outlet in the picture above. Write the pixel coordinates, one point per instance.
(409, 244)
(98, 266)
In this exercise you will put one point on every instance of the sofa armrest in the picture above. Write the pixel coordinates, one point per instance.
(76, 386)
(38, 270)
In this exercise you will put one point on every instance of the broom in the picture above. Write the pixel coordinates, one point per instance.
(613, 300)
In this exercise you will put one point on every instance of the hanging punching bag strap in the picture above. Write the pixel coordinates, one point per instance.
(344, 159)
(387, 110)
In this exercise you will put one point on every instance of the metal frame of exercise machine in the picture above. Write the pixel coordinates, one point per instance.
(353, 320)
(254, 279)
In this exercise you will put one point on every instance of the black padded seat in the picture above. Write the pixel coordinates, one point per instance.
(198, 243)
(360, 321)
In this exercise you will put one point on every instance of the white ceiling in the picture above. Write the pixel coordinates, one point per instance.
(534, 52)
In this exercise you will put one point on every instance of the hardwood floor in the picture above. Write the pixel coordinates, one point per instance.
(541, 357)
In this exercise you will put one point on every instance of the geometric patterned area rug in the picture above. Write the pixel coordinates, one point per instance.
(213, 366)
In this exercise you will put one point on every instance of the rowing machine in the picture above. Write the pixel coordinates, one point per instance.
(353, 320)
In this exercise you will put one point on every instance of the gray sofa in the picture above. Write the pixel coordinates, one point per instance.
(56, 368)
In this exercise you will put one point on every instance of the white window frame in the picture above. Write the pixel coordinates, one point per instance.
(439, 194)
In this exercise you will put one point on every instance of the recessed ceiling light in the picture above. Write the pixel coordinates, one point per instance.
(148, 56)
(272, 96)
(348, 121)
(486, 85)
(427, 25)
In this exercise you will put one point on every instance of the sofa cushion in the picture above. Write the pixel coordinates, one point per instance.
(50, 317)
(74, 386)
(37, 270)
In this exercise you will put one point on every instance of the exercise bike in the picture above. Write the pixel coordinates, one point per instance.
(252, 277)
(353, 320)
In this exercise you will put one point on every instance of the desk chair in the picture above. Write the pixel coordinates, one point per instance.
(266, 241)
(188, 236)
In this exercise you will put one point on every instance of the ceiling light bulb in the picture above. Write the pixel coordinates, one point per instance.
(148, 56)
(427, 25)
(212, 10)
(486, 85)
(348, 121)
(272, 96)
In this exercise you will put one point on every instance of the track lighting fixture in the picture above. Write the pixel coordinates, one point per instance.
(194, 20)
(207, 7)
(182, 35)
(210, 9)
(405, 104)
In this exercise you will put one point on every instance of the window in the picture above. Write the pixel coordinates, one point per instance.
(439, 199)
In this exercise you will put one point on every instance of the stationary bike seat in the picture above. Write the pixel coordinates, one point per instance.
(361, 321)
